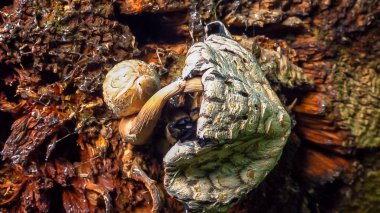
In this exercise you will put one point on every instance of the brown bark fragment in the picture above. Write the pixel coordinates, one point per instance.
(156, 6)
(328, 168)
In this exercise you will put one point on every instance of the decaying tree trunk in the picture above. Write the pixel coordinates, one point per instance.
(60, 145)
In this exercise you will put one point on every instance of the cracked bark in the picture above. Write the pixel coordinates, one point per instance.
(60, 147)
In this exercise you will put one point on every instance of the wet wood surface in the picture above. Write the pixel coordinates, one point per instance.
(60, 148)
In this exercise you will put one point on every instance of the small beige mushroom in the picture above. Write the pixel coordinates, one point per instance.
(130, 91)
(137, 130)
(128, 86)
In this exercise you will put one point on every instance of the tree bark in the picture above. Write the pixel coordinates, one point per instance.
(60, 147)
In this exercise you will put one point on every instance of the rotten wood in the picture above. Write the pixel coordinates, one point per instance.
(59, 142)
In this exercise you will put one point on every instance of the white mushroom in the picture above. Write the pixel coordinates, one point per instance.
(130, 90)
(128, 86)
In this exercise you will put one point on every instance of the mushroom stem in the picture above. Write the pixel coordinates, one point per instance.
(137, 130)
(193, 85)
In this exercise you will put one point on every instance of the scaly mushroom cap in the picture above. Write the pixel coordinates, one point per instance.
(128, 86)
(241, 130)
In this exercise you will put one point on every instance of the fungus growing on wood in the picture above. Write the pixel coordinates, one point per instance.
(241, 130)
(127, 88)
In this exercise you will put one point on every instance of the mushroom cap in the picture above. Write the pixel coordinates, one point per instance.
(128, 86)
(241, 130)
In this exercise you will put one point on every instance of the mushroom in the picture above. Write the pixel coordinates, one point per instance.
(241, 130)
(131, 91)
(128, 86)
(138, 129)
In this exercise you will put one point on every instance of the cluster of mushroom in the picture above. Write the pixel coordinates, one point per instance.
(241, 128)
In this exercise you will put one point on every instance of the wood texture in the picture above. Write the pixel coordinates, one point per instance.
(60, 145)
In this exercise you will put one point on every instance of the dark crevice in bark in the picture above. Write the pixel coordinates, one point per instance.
(5, 3)
(151, 27)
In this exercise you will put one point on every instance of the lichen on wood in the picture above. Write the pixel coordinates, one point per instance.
(357, 78)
